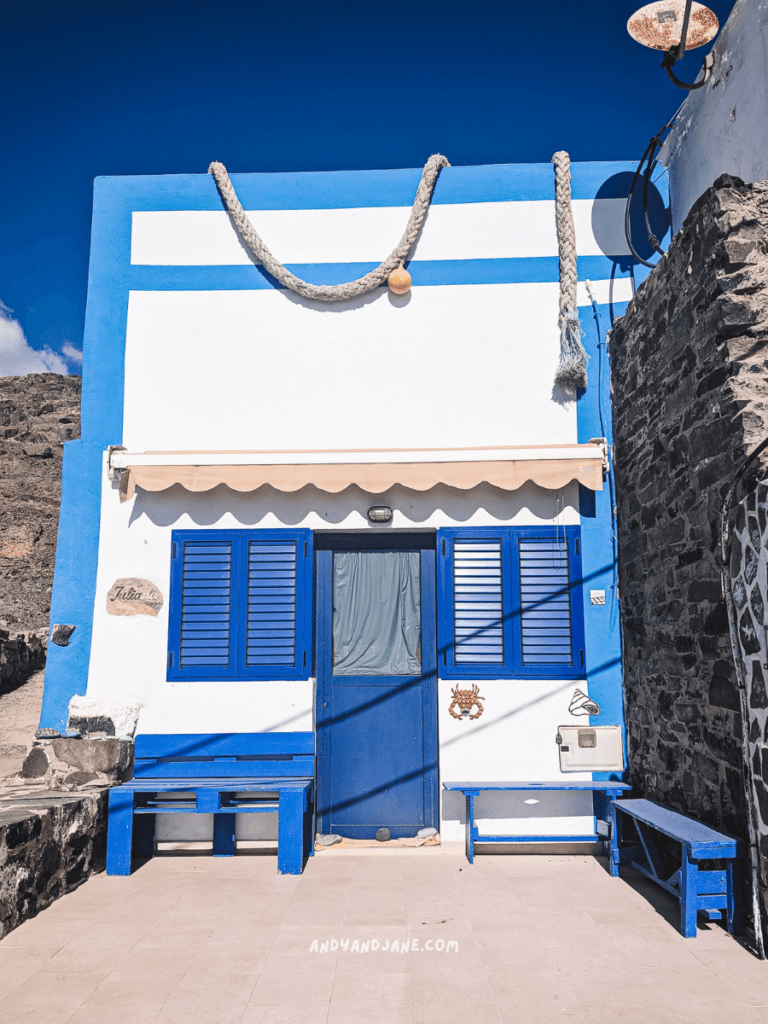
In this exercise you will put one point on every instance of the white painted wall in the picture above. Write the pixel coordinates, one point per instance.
(723, 127)
(513, 740)
(461, 231)
(453, 366)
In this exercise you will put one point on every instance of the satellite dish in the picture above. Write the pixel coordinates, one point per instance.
(675, 26)
(660, 25)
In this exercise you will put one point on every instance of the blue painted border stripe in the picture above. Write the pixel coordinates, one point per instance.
(425, 273)
(602, 622)
(74, 581)
(334, 190)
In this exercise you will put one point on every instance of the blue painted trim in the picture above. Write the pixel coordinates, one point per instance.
(518, 270)
(512, 667)
(333, 190)
(324, 657)
(324, 647)
(74, 581)
(237, 669)
(602, 623)
(429, 686)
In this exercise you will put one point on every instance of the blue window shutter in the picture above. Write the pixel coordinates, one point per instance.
(545, 601)
(275, 619)
(478, 614)
(509, 603)
(203, 620)
(272, 603)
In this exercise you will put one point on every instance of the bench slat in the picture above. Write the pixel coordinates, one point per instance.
(300, 767)
(226, 785)
(690, 833)
(223, 744)
(586, 785)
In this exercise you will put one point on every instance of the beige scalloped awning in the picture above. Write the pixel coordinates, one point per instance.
(551, 467)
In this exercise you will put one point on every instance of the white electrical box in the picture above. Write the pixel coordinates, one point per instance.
(596, 748)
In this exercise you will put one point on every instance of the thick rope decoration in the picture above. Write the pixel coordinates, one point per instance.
(572, 369)
(335, 292)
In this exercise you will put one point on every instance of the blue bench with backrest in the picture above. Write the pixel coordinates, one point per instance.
(705, 891)
(223, 774)
(603, 794)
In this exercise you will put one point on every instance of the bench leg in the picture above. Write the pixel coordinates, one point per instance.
(120, 831)
(689, 895)
(224, 835)
(309, 825)
(470, 816)
(144, 836)
(733, 898)
(290, 841)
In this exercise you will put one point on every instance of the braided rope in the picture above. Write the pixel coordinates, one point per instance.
(327, 292)
(571, 372)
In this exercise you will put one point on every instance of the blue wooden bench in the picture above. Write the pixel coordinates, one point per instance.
(709, 892)
(604, 794)
(221, 774)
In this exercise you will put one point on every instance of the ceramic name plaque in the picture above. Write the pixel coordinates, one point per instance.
(133, 596)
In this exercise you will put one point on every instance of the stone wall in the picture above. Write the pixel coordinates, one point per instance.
(49, 845)
(690, 399)
(38, 413)
(748, 569)
(20, 656)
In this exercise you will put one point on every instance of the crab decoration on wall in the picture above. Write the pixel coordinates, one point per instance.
(466, 700)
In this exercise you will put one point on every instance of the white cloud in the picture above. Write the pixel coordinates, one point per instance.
(17, 357)
(72, 354)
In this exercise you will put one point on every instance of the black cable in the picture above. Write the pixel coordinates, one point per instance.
(676, 53)
(649, 155)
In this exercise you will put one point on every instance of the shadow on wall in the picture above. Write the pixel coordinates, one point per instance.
(604, 228)
(310, 506)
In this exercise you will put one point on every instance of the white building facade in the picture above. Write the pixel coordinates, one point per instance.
(218, 554)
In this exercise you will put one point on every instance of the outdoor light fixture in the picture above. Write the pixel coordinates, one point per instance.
(675, 26)
(379, 514)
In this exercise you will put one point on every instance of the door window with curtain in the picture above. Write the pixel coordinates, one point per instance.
(376, 613)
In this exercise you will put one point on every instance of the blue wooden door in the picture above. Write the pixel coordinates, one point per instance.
(377, 732)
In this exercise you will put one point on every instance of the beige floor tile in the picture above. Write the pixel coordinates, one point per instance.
(49, 998)
(282, 984)
(387, 993)
(105, 1009)
(100, 948)
(537, 1006)
(258, 1013)
(21, 962)
(208, 996)
(173, 961)
(49, 929)
(128, 988)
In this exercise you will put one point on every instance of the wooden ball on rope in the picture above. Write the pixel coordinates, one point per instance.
(399, 281)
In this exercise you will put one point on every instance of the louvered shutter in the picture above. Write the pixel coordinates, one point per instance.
(206, 596)
(478, 603)
(240, 604)
(545, 601)
(509, 603)
(272, 604)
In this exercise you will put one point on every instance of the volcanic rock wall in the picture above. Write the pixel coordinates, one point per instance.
(690, 391)
(38, 413)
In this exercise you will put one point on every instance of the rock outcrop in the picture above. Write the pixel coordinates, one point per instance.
(38, 413)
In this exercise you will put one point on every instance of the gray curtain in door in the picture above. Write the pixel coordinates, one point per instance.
(376, 613)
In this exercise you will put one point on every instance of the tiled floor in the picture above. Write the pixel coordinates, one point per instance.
(192, 940)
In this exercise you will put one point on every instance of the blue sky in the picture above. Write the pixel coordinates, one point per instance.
(166, 86)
